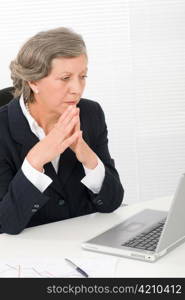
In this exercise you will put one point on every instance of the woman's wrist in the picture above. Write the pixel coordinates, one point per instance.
(91, 161)
(34, 162)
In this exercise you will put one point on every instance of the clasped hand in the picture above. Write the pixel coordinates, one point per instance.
(65, 133)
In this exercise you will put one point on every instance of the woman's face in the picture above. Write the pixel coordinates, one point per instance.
(64, 85)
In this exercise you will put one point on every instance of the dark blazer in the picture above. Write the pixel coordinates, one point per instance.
(22, 204)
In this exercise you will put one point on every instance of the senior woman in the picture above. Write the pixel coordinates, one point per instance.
(54, 157)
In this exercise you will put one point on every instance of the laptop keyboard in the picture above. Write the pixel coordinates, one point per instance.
(147, 240)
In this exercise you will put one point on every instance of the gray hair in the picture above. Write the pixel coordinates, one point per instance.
(34, 59)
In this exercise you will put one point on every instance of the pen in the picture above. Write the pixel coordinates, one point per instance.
(79, 270)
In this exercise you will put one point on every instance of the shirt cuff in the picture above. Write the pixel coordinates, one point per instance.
(94, 177)
(38, 179)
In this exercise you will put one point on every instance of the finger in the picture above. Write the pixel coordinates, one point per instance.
(77, 126)
(64, 122)
(70, 126)
(80, 136)
(70, 140)
(69, 111)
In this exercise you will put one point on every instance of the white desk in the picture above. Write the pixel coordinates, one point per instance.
(61, 239)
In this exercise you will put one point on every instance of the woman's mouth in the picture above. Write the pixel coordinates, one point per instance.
(71, 102)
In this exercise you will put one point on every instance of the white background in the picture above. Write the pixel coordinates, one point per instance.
(136, 54)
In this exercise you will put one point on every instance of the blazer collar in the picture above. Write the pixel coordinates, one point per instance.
(22, 134)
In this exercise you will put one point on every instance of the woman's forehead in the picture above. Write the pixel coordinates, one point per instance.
(69, 64)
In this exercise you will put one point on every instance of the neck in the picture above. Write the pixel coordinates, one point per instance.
(45, 119)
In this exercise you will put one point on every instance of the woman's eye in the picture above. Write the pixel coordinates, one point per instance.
(84, 76)
(65, 78)
(68, 77)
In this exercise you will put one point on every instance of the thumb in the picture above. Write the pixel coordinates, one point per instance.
(80, 134)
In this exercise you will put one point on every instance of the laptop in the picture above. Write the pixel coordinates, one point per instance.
(147, 235)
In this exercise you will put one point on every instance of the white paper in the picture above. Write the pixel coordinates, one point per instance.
(100, 267)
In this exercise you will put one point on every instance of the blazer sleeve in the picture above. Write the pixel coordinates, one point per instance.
(19, 198)
(111, 194)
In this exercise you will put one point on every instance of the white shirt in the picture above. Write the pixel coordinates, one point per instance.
(93, 177)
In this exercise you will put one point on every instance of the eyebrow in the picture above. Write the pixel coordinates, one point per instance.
(86, 69)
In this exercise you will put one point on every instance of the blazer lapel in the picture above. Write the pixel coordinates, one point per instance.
(20, 129)
(22, 134)
(56, 184)
(67, 162)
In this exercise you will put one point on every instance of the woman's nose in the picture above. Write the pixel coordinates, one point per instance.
(76, 87)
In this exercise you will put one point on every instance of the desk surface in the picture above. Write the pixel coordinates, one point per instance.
(60, 239)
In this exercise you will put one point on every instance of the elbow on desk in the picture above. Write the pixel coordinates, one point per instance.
(11, 231)
(114, 202)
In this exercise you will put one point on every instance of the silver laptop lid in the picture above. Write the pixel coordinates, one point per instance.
(174, 228)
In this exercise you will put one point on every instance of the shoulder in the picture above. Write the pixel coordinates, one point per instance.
(5, 119)
(90, 108)
(4, 129)
(3, 116)
(87, 103)
(92, 119)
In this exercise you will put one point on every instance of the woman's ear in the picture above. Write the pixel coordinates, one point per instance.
(33, 86)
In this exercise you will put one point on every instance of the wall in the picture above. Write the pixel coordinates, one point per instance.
(136, 72)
